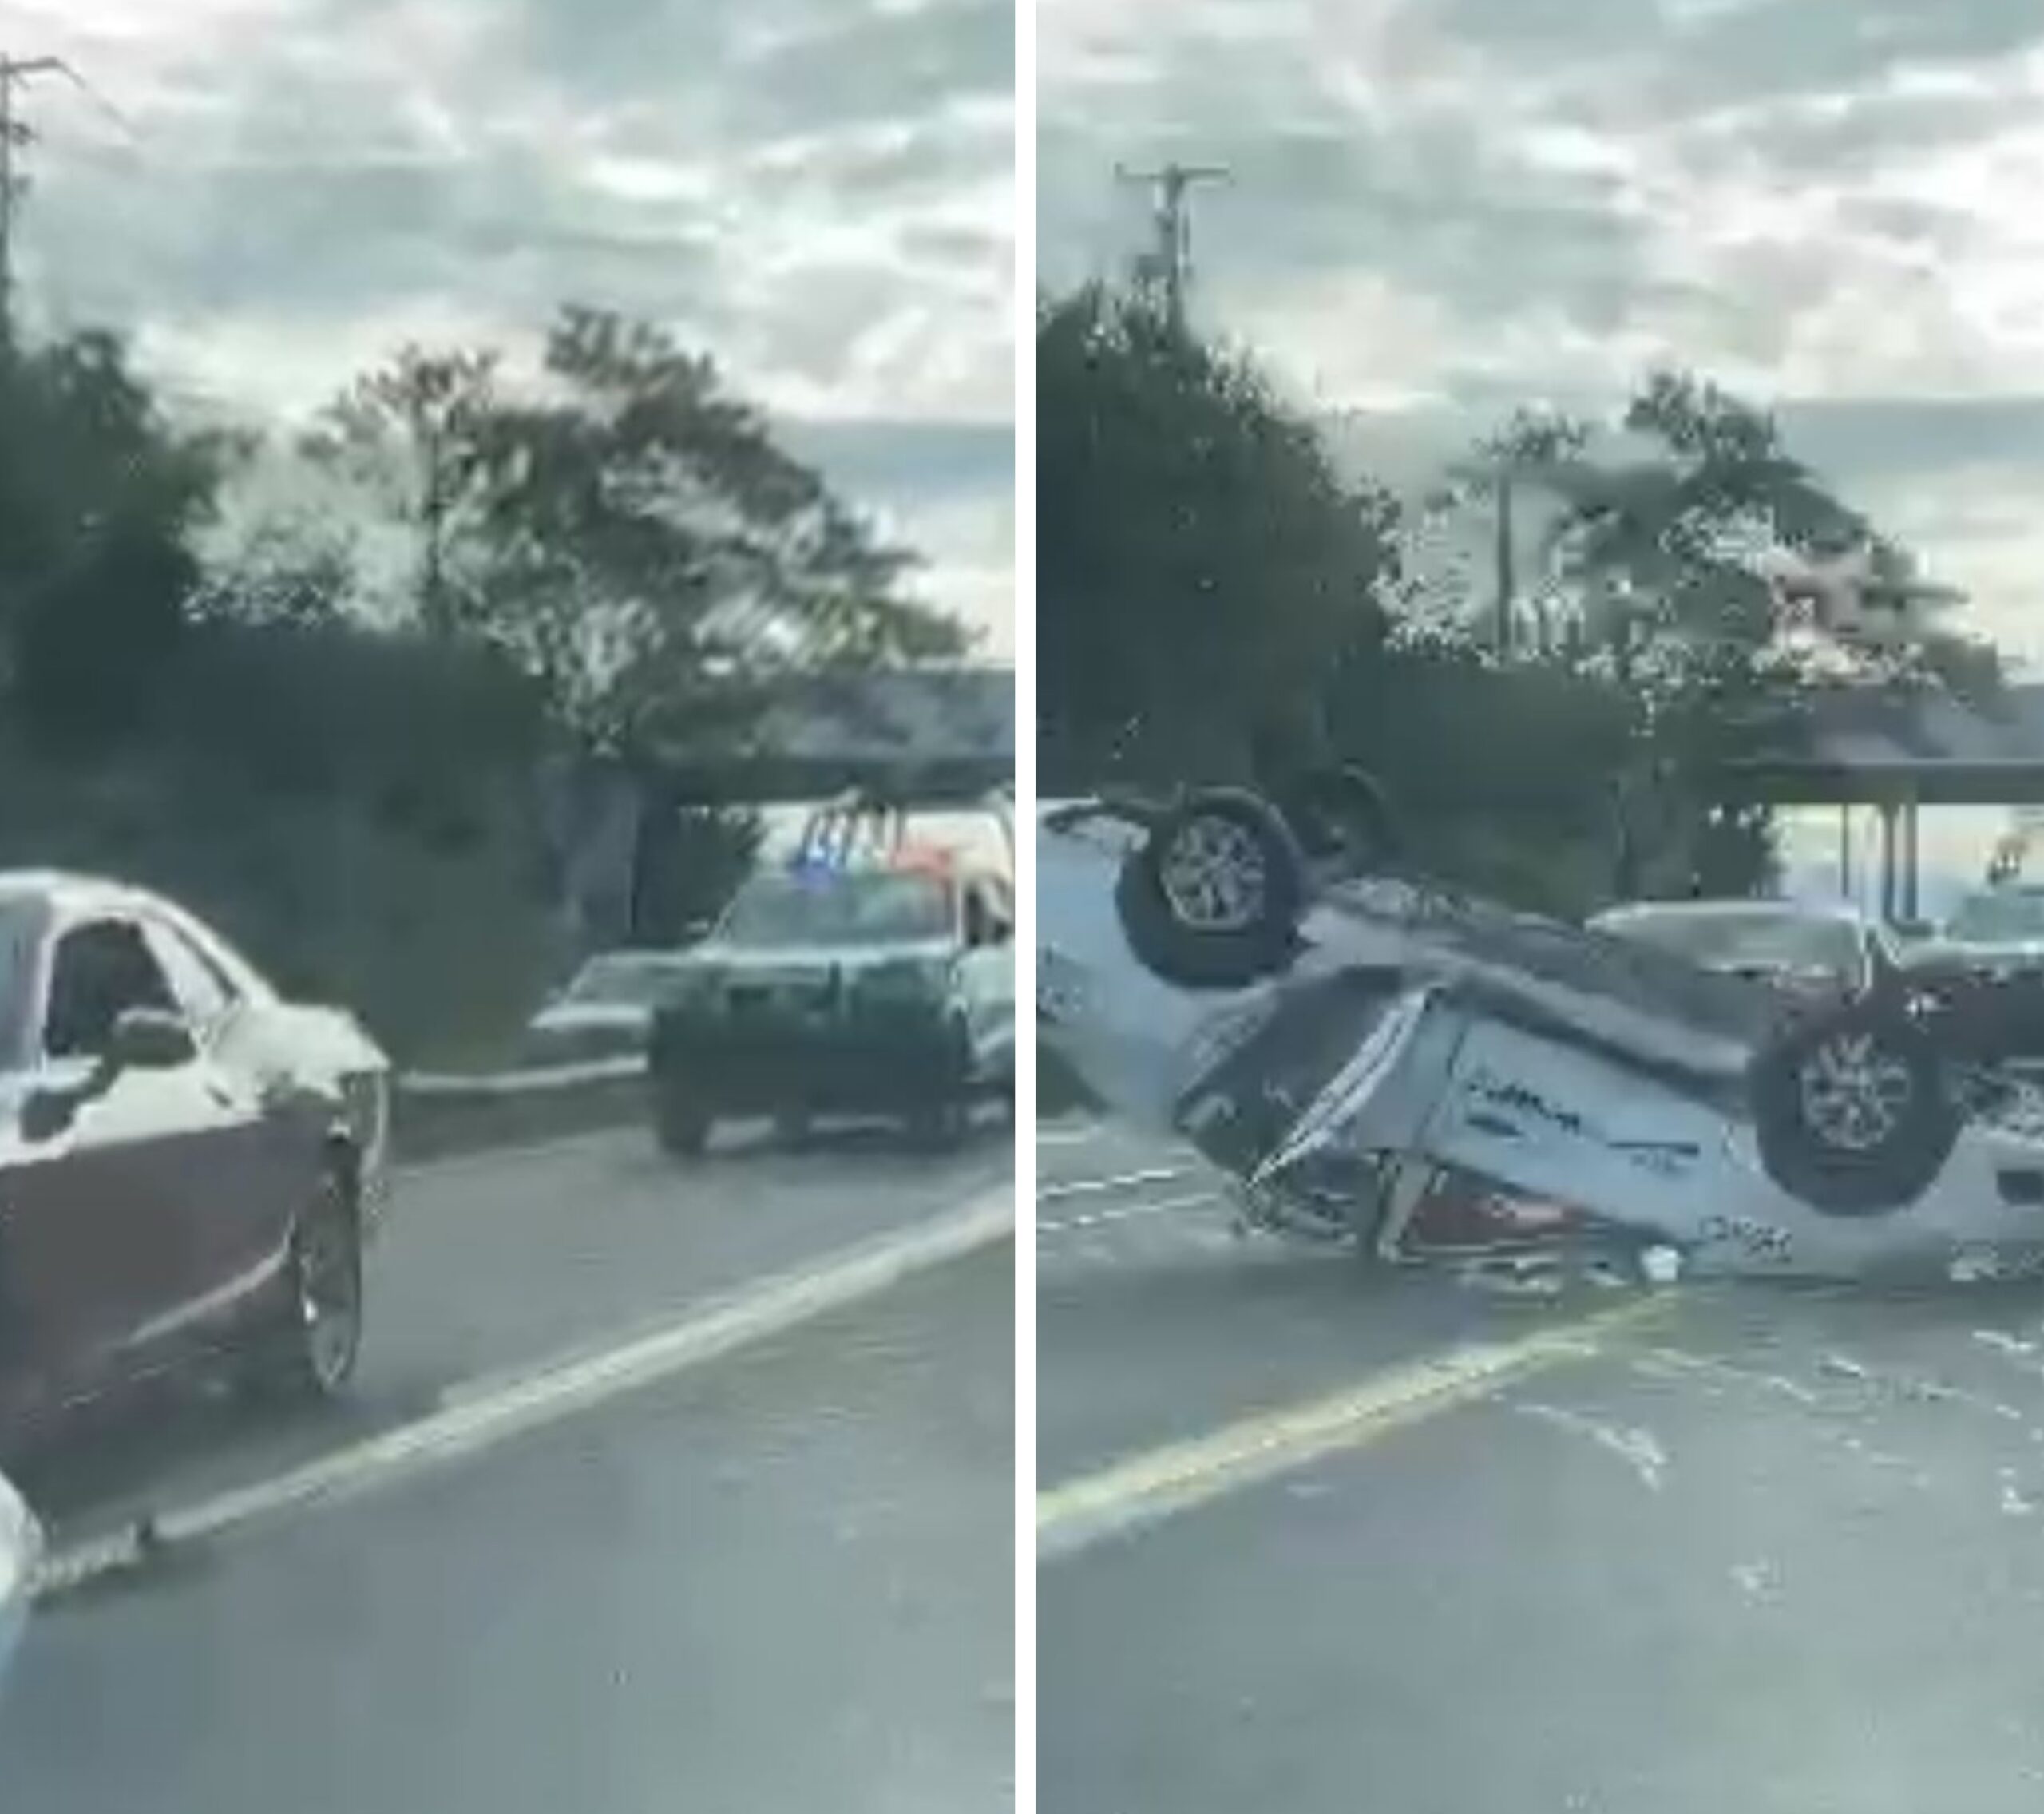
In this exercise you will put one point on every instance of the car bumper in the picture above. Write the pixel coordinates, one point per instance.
(874, 1062)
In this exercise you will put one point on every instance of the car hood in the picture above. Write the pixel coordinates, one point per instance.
(309, 1042)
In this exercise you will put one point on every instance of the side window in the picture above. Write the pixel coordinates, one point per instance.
(102, 969)
(203, 993)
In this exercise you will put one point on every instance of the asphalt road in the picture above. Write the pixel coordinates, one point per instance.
(783, 1582)
(494, 1264)
(1353, 1539)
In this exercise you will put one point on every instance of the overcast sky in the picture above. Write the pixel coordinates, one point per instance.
(1440, 207)
(820, 193)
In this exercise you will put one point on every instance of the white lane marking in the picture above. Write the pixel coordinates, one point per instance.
(1097, 1218)
(1069, 1132)
(1102, 1187)
(551, 1394)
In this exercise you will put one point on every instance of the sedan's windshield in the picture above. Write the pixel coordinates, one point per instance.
(2004, 914)
(828, 908)
(1759, 939)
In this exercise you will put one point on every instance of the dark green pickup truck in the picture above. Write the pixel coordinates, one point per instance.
(885, 988)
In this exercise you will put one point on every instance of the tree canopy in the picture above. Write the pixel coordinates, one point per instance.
(626, 528)
(1214, 593)
(1201, 566)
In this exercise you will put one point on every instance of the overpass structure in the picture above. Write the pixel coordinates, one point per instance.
(927, 733)
(930, 736)
(1899, 753)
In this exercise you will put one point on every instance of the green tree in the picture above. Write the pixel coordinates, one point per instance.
(411, 433)
(1534, 451)
(1660, 555)
(630, 533)
(99, 496)
(1201, 569)
(283, 570)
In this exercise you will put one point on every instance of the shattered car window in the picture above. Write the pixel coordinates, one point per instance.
(825, 908)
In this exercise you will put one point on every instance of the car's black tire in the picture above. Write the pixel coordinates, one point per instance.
(312, 1354)
(681, 1124)
(1854, 1109)
(1213, 896)
(940, 1121)
(1342, 820)
(939, 1127)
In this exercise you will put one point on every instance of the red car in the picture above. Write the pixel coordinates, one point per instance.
(189, 1165)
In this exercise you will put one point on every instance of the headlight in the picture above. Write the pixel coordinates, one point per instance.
(365, 1104)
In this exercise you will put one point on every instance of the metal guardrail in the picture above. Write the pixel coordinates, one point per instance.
(430, 1084)
(435, 1113)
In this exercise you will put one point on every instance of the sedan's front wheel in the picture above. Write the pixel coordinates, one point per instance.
(316, 1350)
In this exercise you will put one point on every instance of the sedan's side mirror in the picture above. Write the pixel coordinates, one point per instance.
(150, 1038)
(142, 1038)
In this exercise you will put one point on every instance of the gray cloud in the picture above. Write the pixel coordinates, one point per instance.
(1470, 203)
(813, 190)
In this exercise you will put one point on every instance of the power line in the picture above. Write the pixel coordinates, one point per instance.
(1166, 269)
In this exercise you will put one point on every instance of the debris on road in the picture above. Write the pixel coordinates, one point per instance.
(1660, 1265)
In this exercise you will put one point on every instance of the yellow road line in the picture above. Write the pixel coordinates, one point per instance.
(1162, 1482)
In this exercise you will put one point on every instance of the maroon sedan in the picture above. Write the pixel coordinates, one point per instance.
(188, 1164)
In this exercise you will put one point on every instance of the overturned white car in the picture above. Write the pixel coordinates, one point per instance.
(1339, 1037)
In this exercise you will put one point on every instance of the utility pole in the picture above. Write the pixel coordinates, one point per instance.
(15, 137)
(1507, 556)
(1168, 266)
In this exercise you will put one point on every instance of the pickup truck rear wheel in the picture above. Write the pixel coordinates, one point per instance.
(1213, 896)
(1854, 1111)
(942, 1120)
(680, 1124)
